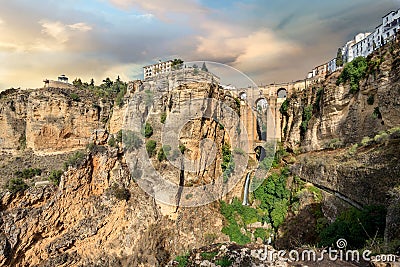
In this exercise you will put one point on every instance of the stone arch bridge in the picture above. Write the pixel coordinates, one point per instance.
(269, 99)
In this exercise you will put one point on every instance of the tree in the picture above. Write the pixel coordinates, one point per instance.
(177, 63)
(339, 58)
(204, 67)
(108, 82)
(77, 83)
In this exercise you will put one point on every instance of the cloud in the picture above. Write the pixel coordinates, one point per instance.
(164, 9)
(62, 32)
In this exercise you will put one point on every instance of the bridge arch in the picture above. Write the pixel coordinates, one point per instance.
(261, 103)
(282, 93)
(243, 96)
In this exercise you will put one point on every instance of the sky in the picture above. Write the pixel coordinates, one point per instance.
(268, 40)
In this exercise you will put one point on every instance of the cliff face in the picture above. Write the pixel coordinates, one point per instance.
(50, 120)
(348, 142)
(83, 222)
(339, 114)
(98, 215)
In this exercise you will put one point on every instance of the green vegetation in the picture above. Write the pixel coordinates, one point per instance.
(317, 104)
(55, 176)
(163, 153)
(208, 255)
(227, 165)
(370, 99)
(148, 130)
(274, 198)
(74, 160)
(381, 137)
(284, 107)
(354, 72)
(22, 141)
(15, 185)
(339, 58)
(204, 67)
(107, 90)
(151, 148)
(306, 117)
(120, 193)
(377, 113)
(366, 141)
(237, 216)
(118, 138)
(111, 141)
(356, 226)
(182, 148)
(353, 149)
(334, 144)
(163, 117)
(131, 140)
(260, 233)
(74, 97)
(28, 173)
(224, 262)
(177, 64)
(183, 261)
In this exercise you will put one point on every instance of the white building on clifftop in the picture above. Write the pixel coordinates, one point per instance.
(160, 67)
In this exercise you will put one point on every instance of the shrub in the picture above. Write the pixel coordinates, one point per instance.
(15, 185)
(354, 72)
(163, 153)
(119, 136)
(120, 193)
(131, 140)
(182, 148)
(261, 233)
(306, 117)
(377, 113)
(28, 173)
(55, 176)
(371, 100)
(74, 160)
(74, 97)
(284, 107)
(148, 130)
(224, 262)
(334, 144)
(356, 226)
(366, 141)
(111, 141)
(151, 148)
(183, 261)
(208, 255)
(353, 149)
(163, 117)
(381, 137)
(22, 142)
(274, 198)
(227, 165)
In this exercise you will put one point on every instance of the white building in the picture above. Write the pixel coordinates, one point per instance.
(364, 44)
(160, 67)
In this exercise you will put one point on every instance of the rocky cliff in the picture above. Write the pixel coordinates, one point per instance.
(347, 140)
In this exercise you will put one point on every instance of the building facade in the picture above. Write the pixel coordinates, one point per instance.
(160, 67)
(364, 44)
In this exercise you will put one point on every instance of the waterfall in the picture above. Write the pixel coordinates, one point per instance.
(246, 190)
